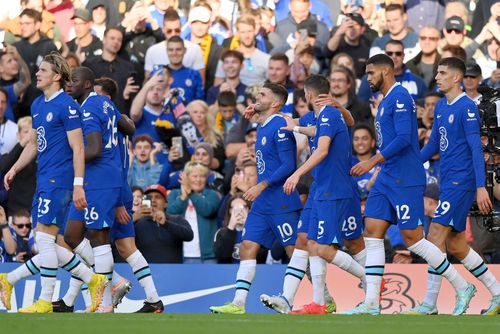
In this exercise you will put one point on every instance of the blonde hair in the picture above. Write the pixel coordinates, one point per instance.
(195, 166)
(24, 122)
(211, 134)
(59, 66)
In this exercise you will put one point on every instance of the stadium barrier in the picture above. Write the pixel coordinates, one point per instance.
(194, 288)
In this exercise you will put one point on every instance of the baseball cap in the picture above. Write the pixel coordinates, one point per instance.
(432, 191)
(455, 23)
(310, 26)
(83, 14)
(357, 18)
(199, 13)
(473, 70)
(251, 127)
(158, 188)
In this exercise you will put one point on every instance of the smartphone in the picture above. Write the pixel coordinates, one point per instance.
(133, 74)
(177, 143)
(146, 200)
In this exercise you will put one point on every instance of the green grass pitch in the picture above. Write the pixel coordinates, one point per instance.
(242, 324)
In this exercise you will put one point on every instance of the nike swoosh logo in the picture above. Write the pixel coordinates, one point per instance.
(404, 222)
(129, 305)
(349, 234)
(285, 240)
(35, 115)
(438, 116)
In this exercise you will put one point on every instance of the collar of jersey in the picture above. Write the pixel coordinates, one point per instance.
(53, 96)
(392, 87)
(269, 119)
(456, 99)
(91, 94)
(148, 110)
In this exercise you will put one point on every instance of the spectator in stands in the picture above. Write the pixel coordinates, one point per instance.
(34, 45)
(73, 60)
(227, 114)
(137, 194)
(186, 80)
(85, 44)
(431, 200)
(485, 46)
(422, 13)
(115, 9)
(198, 205)
(430, 101)
(99, 18)
(159, 235)
(413, 83)
(19, 241)
(241, 146)
(114, 67)
(144, 169)
(300, 12)
(8, 129)
(486, 11)
(472, 79)
(15, 78)
(255, 61)
(363, 145)
(349, 38)
(396, 20)
(278, 71)
(426, 62)
(341, 84)
(205, 124)
(22, 188)
(453, 51)
(231, 64)
(160, 9)
(457, 8)
(199, 21)
(157, 53)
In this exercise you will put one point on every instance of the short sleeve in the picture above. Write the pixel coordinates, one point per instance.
(328, 124)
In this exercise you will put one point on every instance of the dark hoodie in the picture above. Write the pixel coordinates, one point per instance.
(33, 53)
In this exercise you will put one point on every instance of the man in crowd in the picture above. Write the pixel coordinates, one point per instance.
(85, 44)
(472, 79)
(425, 62)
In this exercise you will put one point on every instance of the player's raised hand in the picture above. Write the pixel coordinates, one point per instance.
(8, 178)
(249, 111)
(122, 215)
(483, 201)
(79, 198)
(290, 124)
(291, 183)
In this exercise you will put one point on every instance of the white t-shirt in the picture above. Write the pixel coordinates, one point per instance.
(8, 138)
(192, 248)
(254, 69)
(157, 55)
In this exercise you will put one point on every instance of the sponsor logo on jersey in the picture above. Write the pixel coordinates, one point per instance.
(86, 114)
(399, 105)
(281, 135)
(470, 114)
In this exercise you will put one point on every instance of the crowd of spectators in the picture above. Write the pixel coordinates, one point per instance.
(186, 70)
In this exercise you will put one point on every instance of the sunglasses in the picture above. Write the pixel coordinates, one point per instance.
(395, 53)
(429, 38)
(449, 31)
(170, 31)
(23, 225)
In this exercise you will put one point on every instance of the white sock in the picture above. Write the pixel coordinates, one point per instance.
(46, 244)
(294, 274)
(318, 275)
(346, 262)
(70, 262)
(85, 252)
(434, 281)
(116, 278)
(141, 270)
(104, 265)
(430, 253)
(30, 267)
(361, 259)
(244, 278)
(374, 270)
(75, 285)
(475, 264)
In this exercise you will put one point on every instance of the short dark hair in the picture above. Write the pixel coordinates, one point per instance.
(175, 39)
(34, 14)
(171, 15)
(22, 213)
(134, 188)
(456, 51)
(232, 53)
(395, 42)
(363, 126)
(454, 63)
(108, 29)
(380, 59)
(280, 57)
(433, 94)
(109, 86)
(318, 84)
(143, 138)
(226, 99)
(86, 74)
(395, 6)
(278, 90)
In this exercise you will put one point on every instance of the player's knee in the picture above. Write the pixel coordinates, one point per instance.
(355, 246)
(301, 242)
(325, 252)
(125, 247)
(72, 240)
(248, 250)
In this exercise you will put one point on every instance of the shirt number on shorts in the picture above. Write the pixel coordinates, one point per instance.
(286, 231)
(349, 224)
(403, 212)
(321, 229)
(92, 215)
(43, 206)
(442, 208)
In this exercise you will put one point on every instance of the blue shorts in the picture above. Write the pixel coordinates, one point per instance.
(453, 208)
(120, 231)
(264, 228)
(332, 222)
(50, 207)
(100, 211)
(403, 206)
(304, 221)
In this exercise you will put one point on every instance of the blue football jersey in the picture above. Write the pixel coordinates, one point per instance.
(101, 115)
(147, 124)
(276, 157)
(455, 135)
(332, 173)
(189, 83)
(397, 140)
(123, 143)
(307, 120)
(52, 119)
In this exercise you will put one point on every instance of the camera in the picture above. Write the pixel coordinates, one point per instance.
(489, 111)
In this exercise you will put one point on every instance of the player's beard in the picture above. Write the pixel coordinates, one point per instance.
(376, 87)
